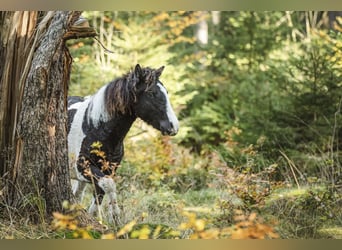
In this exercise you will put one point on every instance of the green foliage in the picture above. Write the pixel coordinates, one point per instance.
(302, 212)
(313, 86)
(282, 93)
(158, 162)
(231, 85)
(146, 38)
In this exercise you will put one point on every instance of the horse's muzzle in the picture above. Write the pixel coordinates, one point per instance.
(168, 128)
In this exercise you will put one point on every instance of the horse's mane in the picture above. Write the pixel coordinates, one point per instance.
(122, 92)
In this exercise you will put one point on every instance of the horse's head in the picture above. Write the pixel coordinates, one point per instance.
(153, 105)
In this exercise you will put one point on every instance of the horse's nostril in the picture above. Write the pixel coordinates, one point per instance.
(168, 128)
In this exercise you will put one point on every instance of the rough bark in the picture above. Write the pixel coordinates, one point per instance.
(16, 33)
(33, 118)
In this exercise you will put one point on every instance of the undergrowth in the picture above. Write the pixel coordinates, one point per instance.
(245, 227)
(167, 192)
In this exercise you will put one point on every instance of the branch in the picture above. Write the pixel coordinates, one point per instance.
(76, 32)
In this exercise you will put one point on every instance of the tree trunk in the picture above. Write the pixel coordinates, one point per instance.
(16, 30)
(34, 78)
(202, 29)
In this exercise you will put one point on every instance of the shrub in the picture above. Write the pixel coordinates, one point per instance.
(301, 212)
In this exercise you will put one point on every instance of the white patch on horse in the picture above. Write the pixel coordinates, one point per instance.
(170, 113)
(93, 208)
(97, 109)
(75, 138)
(107, 184)
(78, 189)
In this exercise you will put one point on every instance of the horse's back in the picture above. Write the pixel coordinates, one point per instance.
(74, 99)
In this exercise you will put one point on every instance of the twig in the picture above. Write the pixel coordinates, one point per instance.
(76, 32)
(292, 165)
(106, 50)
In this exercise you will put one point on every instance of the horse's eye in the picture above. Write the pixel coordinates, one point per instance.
(152, 93)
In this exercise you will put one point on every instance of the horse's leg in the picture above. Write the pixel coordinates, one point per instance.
(78, 189)
(107, 184)
(96, 201)
(104, 185)
(81, 178)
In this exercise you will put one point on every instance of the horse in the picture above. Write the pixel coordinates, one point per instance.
(104, 119)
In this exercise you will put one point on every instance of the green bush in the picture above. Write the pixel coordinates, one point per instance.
(302, 212)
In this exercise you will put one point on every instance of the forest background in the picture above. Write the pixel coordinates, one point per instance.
(258, 96)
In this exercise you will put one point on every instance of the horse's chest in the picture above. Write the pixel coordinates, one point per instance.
(98, 145)
(101, 149)
(76, 113)
(102, 160)
(108, 150)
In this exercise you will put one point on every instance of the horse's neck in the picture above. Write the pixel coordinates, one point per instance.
(120, 125)
(111, 135)
(115, 129)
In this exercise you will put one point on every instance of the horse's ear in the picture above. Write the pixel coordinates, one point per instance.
(138, 71)
(159, 71)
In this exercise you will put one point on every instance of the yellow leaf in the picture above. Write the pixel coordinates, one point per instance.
(96, 144)
(143, 233)
(156, 232)
(194, 236)
(210, 234)
(72, 226)
(127, 228)
(86, 235)
(59, 216)
(108, 236)
(199, 225)
(183, 226)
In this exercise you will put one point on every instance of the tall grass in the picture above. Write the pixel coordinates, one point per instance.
(165, 191)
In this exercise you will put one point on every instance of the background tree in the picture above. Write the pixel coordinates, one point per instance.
(273, 75)
(34, 81)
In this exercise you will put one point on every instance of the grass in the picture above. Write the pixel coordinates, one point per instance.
(24, 230)
(331, 232)
(304, 212)
(161, 211)
(174, 194)
(165, 206)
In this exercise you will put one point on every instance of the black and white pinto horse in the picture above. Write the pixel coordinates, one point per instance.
(106, 117)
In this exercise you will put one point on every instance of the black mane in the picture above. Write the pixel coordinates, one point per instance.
(123, 91)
